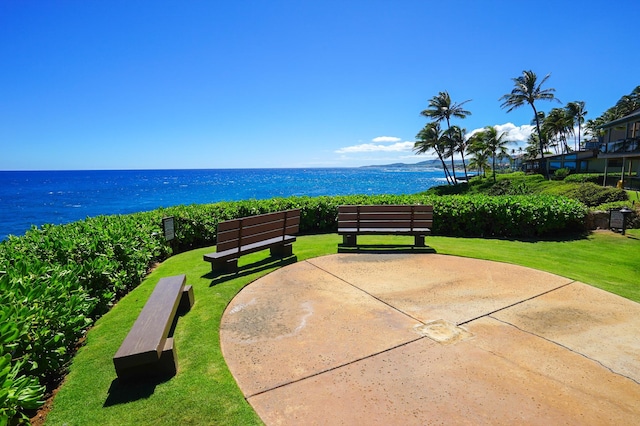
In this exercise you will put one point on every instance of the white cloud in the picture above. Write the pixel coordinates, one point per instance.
(513, 133)
(379, 144)
(371, 147)
(386, 139)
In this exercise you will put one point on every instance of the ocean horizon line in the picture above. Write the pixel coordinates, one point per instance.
(394, 165)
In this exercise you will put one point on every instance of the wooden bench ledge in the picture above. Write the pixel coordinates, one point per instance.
(147, 348)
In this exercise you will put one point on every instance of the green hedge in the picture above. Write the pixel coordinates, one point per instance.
(55, 281)
(597, 178)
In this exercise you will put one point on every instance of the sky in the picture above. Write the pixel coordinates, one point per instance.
(111, 84)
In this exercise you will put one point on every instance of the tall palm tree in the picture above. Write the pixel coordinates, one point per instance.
(442, 108)
(430, 139)
(577, 113)
(527, 90)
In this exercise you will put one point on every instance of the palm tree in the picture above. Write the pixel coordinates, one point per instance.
(577, 113)
(442, 108)
(527, 90)
(479, 153)
(496, 145)
(559, 124)
(459, 136)
(431, 138)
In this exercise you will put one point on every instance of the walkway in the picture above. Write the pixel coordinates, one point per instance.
(431, 339)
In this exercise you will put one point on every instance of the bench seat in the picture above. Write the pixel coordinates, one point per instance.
(148, 350)
(228, 259)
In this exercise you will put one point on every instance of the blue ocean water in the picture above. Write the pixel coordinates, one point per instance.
(40, 197)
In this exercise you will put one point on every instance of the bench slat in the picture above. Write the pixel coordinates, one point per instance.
(146, 339)
(390, 231)
(385, 208)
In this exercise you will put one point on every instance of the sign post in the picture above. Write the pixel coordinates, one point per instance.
(169, 228)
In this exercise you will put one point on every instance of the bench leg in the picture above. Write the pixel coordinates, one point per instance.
(165, 366)
(419, 241)
(349, 240)
(282, 251)
(186, 300)
(224, 265)
(168, 362)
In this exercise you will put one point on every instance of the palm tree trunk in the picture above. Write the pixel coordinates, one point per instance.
(540, 142)
(447, 175)
(465, 167)
(453, 167)
(493, 166)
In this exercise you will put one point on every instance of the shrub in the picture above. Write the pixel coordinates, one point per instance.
(596, 178)
(561, 174)
(589, 193)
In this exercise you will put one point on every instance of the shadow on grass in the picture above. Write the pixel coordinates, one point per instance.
(133, 390)
(385, 249)
(252, 268)
(558, 238)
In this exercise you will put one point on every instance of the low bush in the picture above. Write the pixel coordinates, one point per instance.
(55, 281)
(596, 178)
(561, 174)
(589, 193)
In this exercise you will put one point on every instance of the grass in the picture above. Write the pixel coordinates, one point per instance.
(204, 392)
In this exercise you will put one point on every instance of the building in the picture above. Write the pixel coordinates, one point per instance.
(620, 149)
(617, 152)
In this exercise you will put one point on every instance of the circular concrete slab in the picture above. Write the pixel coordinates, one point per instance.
(427, 338)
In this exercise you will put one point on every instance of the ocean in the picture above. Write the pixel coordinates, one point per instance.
(56, 197)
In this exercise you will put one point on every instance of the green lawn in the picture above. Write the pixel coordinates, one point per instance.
(204, 392)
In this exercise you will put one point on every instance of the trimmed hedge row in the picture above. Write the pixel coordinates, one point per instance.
(55, 281)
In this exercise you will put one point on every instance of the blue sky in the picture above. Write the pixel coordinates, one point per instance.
(242, 84)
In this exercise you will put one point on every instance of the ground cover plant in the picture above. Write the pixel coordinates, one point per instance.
(204, 392)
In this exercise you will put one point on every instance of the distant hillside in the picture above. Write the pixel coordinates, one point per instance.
(428, 164)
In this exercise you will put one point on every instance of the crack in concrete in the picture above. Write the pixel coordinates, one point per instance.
(337, 367)
(565, 347)
(367, 293)
(488, 314)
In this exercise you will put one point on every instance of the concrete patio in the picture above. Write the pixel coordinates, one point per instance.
(431, 339)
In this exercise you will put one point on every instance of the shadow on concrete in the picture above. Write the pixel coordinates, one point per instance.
(252, 268)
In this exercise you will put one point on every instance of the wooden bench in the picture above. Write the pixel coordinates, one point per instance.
(415, 220)
(148, 349)
(238, 237)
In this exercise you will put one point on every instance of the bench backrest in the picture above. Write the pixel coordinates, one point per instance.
(385, 217)
(252, 229)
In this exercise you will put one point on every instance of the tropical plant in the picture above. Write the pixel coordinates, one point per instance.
(479, 153)
(558, 124)
(577, 113)
(430, 139)
(442, 108)
(455, 142)
(527, 90)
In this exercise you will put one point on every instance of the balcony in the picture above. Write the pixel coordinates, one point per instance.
(621, 146)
